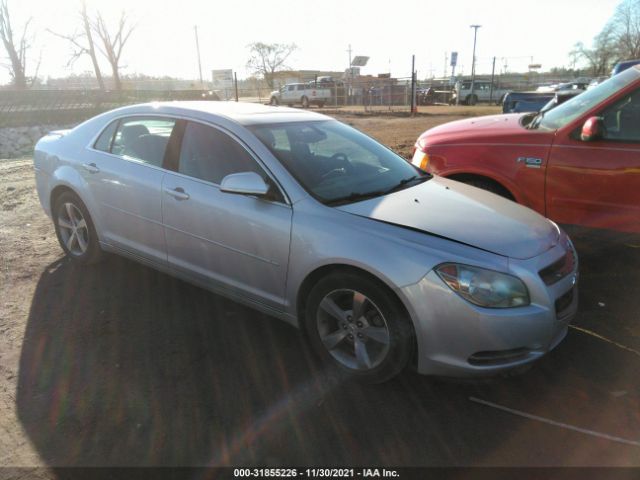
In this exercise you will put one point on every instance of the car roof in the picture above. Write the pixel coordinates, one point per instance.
(243, 113)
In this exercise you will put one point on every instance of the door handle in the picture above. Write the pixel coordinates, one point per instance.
(90, 167)
(177, 193)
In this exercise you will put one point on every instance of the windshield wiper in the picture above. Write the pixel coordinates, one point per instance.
(358, 196)
(355, 197)
(402, 183)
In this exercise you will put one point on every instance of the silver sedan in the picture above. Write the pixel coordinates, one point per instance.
(295, 214)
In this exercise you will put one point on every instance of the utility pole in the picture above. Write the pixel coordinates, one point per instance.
(446, 59)
(195, 27)
(473, 60)
(350, 76)
(414, 108)
(493, 73)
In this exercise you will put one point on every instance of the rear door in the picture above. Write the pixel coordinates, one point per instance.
(125, 175)
(597, 183)
(236, 242)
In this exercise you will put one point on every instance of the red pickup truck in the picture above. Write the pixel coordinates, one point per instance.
(576, 164)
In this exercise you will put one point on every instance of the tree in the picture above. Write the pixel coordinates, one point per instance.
(625, 25)
(602, 54)
(17, 52)
(83, 43)
(268, 58)
(111, 45)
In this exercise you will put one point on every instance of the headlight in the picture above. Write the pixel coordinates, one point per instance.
(484, 288)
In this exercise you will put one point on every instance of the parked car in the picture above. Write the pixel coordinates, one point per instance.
(622, 66)
(521, 102)
(290, 211)
(577, 163)
(482, 92)
(303, 94)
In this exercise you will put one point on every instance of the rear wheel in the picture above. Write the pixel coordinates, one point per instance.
(75, 230)
(472, 99)
(305, 102)
(320, 104)
(357, 326)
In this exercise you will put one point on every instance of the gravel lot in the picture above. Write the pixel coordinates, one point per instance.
(119, 365)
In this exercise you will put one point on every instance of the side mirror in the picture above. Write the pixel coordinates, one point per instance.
(593, 129)
(244, 183)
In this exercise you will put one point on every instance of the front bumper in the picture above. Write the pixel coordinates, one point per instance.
(456, 338)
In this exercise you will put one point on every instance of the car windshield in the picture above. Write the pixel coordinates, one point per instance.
(335, 163)
(567, 112)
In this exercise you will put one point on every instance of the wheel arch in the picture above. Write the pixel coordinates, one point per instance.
(63, 187)
(465, 177)
(316, 275)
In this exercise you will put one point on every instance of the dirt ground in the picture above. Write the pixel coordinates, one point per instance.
(116, 377)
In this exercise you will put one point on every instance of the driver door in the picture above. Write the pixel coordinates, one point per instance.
(596, 183)
(238, 243)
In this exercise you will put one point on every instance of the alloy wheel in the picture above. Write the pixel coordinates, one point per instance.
(353, 329)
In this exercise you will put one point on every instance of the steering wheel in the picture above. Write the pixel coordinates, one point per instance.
(344, 168)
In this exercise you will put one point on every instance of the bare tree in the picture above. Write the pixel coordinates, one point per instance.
(111, 44)
(626, 29)
(83, 44)
(16, 49)
(602, 54)
(268, 58)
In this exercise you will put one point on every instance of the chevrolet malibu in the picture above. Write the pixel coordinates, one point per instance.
(295, 214)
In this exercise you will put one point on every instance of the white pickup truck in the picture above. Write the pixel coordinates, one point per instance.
(482, 92)
(304, 94)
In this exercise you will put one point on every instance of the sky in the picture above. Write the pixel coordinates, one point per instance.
(516, 32)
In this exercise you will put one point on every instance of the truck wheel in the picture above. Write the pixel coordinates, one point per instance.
(305, 102)
(471, 99)
(500, 100)
(273, 101)
(320, 104)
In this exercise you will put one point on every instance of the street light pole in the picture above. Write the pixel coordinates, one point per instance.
(473, 60)
(195, 28)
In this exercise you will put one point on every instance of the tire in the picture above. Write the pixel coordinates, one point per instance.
(320, 104)
(273, 101)
(489, 186)
(75, 230)
(500, 101)
(471, 99)
(305, 102)
(371, 348)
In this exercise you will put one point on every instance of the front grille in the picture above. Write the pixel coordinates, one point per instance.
(564, 302)
(498, 357)
(559, 269)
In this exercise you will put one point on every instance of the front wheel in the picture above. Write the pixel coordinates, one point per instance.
(358, 326)
(273, 101)
(75, 230)
(472, 99)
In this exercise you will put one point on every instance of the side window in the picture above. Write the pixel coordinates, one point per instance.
(300, 87)
(209, 154)
(291, 88)
(104, 140)
(622, 120)
(143, 138)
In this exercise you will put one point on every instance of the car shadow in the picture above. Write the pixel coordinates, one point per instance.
(125, 366)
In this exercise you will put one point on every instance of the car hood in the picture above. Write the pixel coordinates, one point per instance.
(463, 214)
(490, 124)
